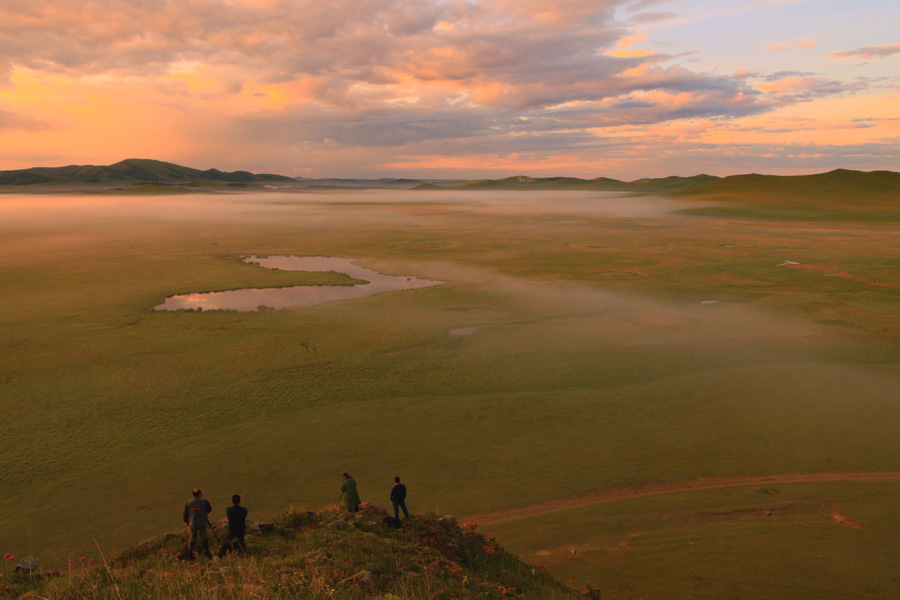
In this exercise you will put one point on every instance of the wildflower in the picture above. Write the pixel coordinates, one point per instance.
(83, 559)
(90, 560)
(11, 557)
(71, 561)
(6, 556)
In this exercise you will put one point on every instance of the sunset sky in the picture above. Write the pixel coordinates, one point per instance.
(454, 88)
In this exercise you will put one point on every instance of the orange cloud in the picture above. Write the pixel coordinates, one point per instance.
(624, 43)
(510, 163)
(792, 84)
(784, 47)
(628, 41)
(621, 53)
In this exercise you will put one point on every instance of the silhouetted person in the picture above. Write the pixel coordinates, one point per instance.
(195, 517)
(237, 528)
(349, 496)
(398, 497)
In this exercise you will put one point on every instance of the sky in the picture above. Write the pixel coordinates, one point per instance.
(454, 88)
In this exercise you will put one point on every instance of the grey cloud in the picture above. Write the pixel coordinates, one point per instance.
(10, 120)
(555, 142)
(868, 52)
(654, 17)
(638, 5)
(785, 75)
(810, 88)
(370, 128)
(530, 127)
(632, 104)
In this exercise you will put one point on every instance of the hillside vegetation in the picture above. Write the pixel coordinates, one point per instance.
(838, 190)
(130, 171)
(305, 554)
(598, 184)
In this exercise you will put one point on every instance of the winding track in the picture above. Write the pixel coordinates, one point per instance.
(654, 489)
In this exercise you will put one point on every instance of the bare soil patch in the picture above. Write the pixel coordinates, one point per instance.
(845, 521)
(835, 271)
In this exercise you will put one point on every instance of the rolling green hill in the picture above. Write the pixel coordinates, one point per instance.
(838, 188)
(130, 171)
(599, 184)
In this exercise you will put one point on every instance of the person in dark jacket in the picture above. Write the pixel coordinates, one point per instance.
(398, 497)
(237, 528)
(195, 518)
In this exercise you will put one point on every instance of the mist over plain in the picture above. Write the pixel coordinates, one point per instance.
(580, 342)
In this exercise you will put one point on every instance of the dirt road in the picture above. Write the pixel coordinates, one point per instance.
(654, 489)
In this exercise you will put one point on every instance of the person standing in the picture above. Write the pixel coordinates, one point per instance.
(349, 496)
(398, 497)
(195, 518)
(237, 528)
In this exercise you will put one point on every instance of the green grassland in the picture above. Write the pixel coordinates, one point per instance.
(778, 541)
(595, 366)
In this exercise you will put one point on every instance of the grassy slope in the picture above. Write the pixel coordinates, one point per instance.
(762, 542)
(836, 195)
(587, 390)
(129, 171)
(310, 555)
(599, 184)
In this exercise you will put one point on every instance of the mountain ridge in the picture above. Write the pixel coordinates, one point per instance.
(133, 171)
(839, 187)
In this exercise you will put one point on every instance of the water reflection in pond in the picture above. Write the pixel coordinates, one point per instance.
(252, 299)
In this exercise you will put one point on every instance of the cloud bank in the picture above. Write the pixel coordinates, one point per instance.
(290, 78)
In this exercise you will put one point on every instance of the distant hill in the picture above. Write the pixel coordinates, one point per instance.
(135, 172)
(378, 184)
(838, 189)
(304, 554)
(600, 184)
(131, 171)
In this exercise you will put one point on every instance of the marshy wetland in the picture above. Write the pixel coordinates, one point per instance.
(368, 283)
(582, 347)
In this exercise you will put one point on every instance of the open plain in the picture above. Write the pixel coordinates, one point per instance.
(663, 397)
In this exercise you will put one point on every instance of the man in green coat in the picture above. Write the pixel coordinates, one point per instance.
(349, 496)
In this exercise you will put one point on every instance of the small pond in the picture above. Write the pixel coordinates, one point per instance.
(253, 299)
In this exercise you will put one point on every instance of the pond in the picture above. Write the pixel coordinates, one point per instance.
(255, 299)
